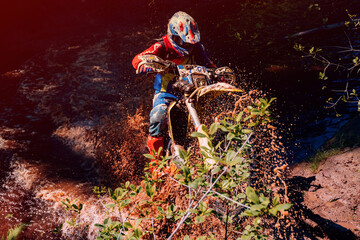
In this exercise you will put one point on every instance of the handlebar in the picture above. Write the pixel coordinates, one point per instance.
(159, 65)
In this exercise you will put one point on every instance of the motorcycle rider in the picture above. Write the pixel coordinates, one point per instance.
(181, 45)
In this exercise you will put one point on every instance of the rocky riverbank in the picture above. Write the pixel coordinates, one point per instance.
(329, 197)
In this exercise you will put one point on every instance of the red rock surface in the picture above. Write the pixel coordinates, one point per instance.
(334, 194)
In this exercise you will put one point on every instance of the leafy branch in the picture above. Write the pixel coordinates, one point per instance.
(13, 233)
(226, 181)
(347, 61)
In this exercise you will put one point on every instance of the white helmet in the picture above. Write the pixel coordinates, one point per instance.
(183, 32)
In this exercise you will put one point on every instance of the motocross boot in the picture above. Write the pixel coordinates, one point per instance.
(154, 144)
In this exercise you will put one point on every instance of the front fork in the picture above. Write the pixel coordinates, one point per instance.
(203, 141)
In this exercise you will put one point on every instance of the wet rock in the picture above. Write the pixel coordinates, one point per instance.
(337, 200)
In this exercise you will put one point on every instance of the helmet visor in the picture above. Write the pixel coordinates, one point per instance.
(181, 43)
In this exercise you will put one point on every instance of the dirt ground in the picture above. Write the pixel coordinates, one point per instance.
(333, 192)
(329, 197)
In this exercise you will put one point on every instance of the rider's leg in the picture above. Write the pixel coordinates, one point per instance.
(158, 126)
(154, 144)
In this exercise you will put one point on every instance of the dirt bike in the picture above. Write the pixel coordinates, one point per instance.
(208, 84)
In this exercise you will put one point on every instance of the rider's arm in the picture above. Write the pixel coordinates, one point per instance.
(201, 58)
(155, 49)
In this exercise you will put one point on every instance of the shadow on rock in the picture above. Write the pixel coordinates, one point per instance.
(311, 225)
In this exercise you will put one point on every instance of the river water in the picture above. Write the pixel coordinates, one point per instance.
(37, 172)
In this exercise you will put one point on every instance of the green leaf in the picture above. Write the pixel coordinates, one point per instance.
(356, 60)
(139, 189)
(217, 159)
(161, 210)
(107, 221)
(14, 233)
(205, 148)
(172, 208)
(239, 116)
(179, 176)
(247, 118)
(149, 156)
(272, 99)
(311, 51)
(241, 195)
(264, 200)
(252, 124)
(251, 213)
(216, 169)
(112, 205)
(225, 184)
(230, 136)
(224, 129)
(149, 190)
(273, 211)
(125, 202)
(235, 161)
(128, 225)
(137, 223)
(194, 184)
(201, 238)
(194, 211)
(202, 206)
(182, 153)
(204, 154)
(186, 237)
(160, 217)
(138, 233)
(283, 207)
(213, 128)
(230, 155)
(204, 128)
(322, 76)
(275, 201)
(255, 112)
(186, 171)
(252, 196)
(263, 101)
(299, 47)
(246, 237)
(99, 225)
(257, 207)
(198, 134)
(199, 219)
(247, 131)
